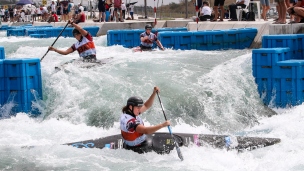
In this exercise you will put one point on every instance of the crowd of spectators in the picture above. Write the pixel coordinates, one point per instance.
(63, 10)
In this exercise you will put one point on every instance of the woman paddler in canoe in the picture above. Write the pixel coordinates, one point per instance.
(132, 127)
(84, 45)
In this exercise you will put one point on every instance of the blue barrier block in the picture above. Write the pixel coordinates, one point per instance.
(269, 56)
(231, 39)
(216, 40)
(22, 67)
(56, 31)
(246, 36)
(263, 71)
(1, 68)
(200, 40)
(136, 37)
(114, 37)
(286, 40)
(264, 84)
(15, 83)
(38, 35)
(16, 32)
(2, 83)
(4, 27)
(68, 32)
(93, 30)
(183, 40)
(289, 69)
(128, 38)
(23, 83)
(28, 32)
(288, 98)
(266, 97)
(2, 97)
(167, 39)
(17, 96)
(2, 54)
(49, 32)
(286, 84)
(300, 51)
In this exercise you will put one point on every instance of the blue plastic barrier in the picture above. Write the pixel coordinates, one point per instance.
(22, 67)
(38, 35)
(286, 40)
(231, 39)
(265, 59)
(21, 77)
(16, 32)
(216, 41)
(131, 38)
(2, 53)
(93, 30)
(4, 27)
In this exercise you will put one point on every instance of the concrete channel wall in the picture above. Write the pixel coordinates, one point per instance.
(264, 27)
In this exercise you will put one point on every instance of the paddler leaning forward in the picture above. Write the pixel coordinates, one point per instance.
(132, 127)
(84, 45)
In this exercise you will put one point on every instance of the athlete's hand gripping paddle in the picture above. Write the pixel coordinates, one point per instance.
(179, 153)
(55, 40)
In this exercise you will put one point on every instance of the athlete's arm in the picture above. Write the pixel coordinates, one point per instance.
(150, 101)
(62, 52)
(80, 29)
(160, 45)
(151, 129)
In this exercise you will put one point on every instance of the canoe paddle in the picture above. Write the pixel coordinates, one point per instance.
(55, 41)
(179, 153)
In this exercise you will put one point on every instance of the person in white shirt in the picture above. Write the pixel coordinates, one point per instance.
(123, 9)
(132, 11)
(205, 12)
(22, 15)
(34, 14)
(112, 12)
(53, 6)
(44, 13)
(2, 14)
(233, 7)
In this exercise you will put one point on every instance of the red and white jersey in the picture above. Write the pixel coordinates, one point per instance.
(128, 126)
(85, 47)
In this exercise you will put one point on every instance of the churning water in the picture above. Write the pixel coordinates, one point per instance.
(208, 92)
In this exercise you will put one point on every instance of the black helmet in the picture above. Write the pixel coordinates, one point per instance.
(148, 26)
(135, 101)
(75, 31)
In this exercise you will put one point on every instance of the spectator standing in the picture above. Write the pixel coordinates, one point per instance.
(111, 9)
(2, 13)
(11, 13)
(117, 7)
(281, 7)
(44, 13)
(123, 9)
(216, 12)
(65, 11)
(265, 7)
(70, 9)
(53, 7)
(102, 10)
(132, 11)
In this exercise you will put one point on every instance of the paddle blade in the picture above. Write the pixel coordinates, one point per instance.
(179, 153)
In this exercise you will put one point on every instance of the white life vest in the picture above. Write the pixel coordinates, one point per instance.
(130, 136)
